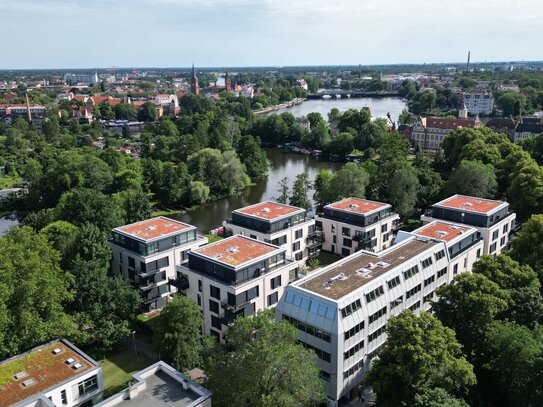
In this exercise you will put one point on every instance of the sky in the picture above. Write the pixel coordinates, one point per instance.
(222, 33)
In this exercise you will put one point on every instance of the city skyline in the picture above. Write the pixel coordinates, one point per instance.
(267, 33)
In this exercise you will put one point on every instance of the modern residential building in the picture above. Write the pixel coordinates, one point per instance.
(353, 224)
(54, 374)
(282, 225)
(75, 78)
(492, 219)
(160, 385)
(341, 310)
(429, 132)
(233, 277)
(145, 253)
(478, 103)
(528, 127)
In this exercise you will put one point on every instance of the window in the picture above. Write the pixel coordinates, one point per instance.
(440, 254)
(279, 240)
(298, 234)
(275, 282)
(214, 306)
(320, 353)
(428, 297)
(502, 241)
(374, 317)
(131, 262)
(407, 274)
(298, 256)
(505, 228)
(345, 252)
(393, 283)
(443, 271)
(309, 329)
(216, 322)
(88, 385)
(384, 228)
(372, 295)
(385, 237)
(273, 298)
(427, 262)
(253, 237)
(215, 292)
(347, 242)
(345, 231)
(333, 228)
(495, 234)
(413, 291)
(63, 397)
(215, 334)
(200, 285)
(478, 253)
(351, 308)
(295, 246)
(429, 280)
(375, 334)
(493, 247)
(415, 306)
(396, 302)
(353, 350)
(199, 298)
(354, 330)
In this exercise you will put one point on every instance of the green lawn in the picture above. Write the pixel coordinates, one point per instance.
(118, 369)
(165, 213)
(325, 258)
(213, 238)
(7, 182)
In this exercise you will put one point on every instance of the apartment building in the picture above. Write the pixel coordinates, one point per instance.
(54, 374)
(282, 225)
(528, 127)
(429, 132)
(160, 385)
(492, 219)
(85, 78)
(31, 112)
(478, 102)
(341, 310)
(233, 277)
(145, 253)
(353, 224)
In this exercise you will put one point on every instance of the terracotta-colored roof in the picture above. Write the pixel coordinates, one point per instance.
(236, 250)
(139, 103)
(153, 228)
(269, 210)
(43, 368)
(357, 205)
(471, 204)
(442, 231)
(444, 123)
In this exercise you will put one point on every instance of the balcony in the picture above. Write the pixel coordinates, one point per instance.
(225, 305)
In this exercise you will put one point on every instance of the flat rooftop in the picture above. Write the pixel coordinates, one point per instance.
(269, 210)
(236, 250)
(154, 228)
(357, 205)
(445, 232)
(343, 277)
(471, 204)
(44, 367)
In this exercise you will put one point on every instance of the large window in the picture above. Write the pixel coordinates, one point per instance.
(273, 298)
(275, 282)
(88, 385)
(308, 329)
(372, 295)
(354, 330)
(413, 291)
(374, 317)
(215, 292)
(351, 308)
(407, 274)
(393, 283)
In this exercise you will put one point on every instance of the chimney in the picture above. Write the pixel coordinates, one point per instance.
(28, 109)
(467, 66)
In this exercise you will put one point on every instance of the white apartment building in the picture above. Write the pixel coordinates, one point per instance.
(236, 276)
(282, 225)
(85, 78)
(353, 224)
(492, 219)
(160, 385)
(145, 253)
(479, 103)
(341, 310)
(54, 374)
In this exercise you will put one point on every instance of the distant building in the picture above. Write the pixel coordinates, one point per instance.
(236, 276)
(301, 83)
(76, 78)
(146, 253)
(479, 103)
(429, 132)
(32, 113)
(168, 102)
(193, 82)
(354, 224)
(528, 127)
(492, 219)
(282, 225)
(160, 385)
(503, 125)
(54, 374)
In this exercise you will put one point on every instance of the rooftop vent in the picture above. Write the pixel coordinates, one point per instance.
(20, 375)
(353, 206)
(266, 210)
(364, 272)
(468, 204)
(152, 227)
(233, 249)
(56, 351)
(441, 233)
(383, 264)
(28, 382)
(371, 265)
(77, 366)
(455, 227)
(69, 361)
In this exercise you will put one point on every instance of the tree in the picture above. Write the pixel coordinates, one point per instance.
(300, 192)
(350, 181)
(472, 178)
(125, 111)
(525, 193)
(266, 366)
(34, 292)
(527, 245)
(430, 186)
(402, 189)
(512, 103)
(283, 191)
(420, 353)
(469, 307)
(134, 205)
(175, 183)
(199, 192)
(253, 157)
(437, 397)
(322, 185)
(147, 113)
(177, 332)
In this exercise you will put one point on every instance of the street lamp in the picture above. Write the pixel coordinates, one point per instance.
(134, 340)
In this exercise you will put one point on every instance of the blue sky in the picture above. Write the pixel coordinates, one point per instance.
(173, 33)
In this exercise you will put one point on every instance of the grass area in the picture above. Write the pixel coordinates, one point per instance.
(325, 258)
(165, 213)
(213, 238)
(7, 182)
(118, 369)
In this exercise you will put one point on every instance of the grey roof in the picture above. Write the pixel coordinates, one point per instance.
(534, 128)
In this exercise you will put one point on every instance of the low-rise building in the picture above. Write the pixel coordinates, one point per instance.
(233, 277)
(528, 127)
(353, 224)
(341, 310)
(146, 253)
(503, 125)
(31, 112)
(283, 225)
(428, 132)
(54, 374)
(492, 219)
(160, 385)
(479, 103)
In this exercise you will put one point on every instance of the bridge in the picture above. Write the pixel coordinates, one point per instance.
(346, 94)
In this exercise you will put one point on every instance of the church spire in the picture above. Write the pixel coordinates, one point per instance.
(193, 82)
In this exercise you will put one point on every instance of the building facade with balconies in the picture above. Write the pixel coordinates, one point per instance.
(146, 253)
(233, 277)
(341, 310)
(283, 225)
(492, 219)
(354, 224)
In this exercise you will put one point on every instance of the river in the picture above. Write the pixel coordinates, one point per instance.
(283, 164)
(379, 107)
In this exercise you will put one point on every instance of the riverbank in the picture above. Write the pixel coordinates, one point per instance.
(286, 105)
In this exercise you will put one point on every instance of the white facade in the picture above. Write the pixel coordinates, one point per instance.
(479, 103)
(341, 311)
(213, 281)
(353, 224)
(75, 78)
